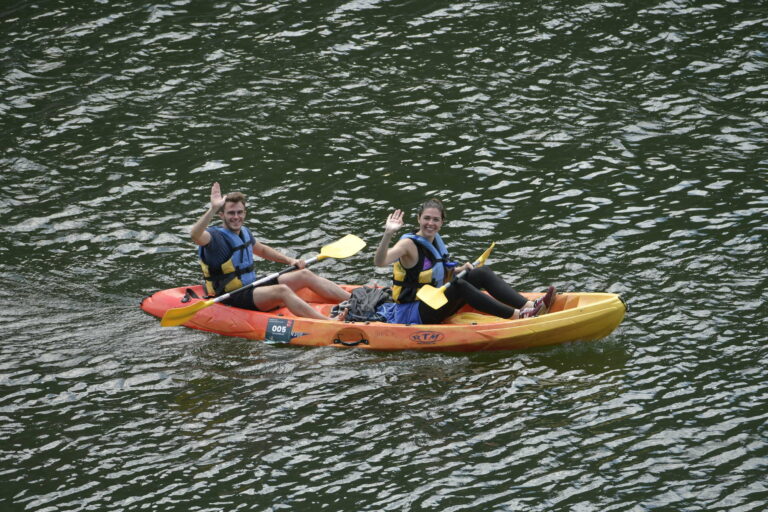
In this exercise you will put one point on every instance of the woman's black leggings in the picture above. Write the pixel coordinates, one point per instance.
(468, 290)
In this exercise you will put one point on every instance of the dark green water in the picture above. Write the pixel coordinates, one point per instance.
(605, 146)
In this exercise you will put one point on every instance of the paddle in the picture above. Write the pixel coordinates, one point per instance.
(342, 248)
(435, 297)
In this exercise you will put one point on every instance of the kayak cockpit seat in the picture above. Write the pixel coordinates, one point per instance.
(472, 318)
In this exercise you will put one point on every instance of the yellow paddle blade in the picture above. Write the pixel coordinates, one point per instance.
(432, 297)
(342, 248)
(484, 256)
(178, 316)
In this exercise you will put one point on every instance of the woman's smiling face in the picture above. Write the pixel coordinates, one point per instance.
(430, 222)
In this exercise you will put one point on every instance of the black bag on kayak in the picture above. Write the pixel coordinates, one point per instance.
(363, 304)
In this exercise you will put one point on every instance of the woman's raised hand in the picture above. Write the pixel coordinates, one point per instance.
(394, 222)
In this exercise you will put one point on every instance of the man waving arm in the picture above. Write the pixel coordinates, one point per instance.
(198, 231)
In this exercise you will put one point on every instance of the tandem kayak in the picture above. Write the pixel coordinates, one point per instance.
(573, 317)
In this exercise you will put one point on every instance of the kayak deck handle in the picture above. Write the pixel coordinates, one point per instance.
(350, 337)
(188, 295)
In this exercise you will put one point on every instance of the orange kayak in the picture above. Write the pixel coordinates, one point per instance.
(573, 317)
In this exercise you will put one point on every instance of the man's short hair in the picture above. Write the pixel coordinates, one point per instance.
(235, 197)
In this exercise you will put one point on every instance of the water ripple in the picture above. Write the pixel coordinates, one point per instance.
(605, 147)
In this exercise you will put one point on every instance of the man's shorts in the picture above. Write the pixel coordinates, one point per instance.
(244, 298)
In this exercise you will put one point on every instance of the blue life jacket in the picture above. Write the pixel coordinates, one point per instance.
(237, 271)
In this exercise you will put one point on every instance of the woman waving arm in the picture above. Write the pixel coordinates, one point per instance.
(403, 250)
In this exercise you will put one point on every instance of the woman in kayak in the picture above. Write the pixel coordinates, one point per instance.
(421, 258)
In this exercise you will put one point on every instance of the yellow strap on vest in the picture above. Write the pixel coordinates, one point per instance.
(399, 274)
(226, 268)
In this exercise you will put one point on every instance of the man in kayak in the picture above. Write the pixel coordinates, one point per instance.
(421, 258)
(226, 256)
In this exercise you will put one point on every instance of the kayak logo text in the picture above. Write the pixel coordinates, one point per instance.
(427, 337)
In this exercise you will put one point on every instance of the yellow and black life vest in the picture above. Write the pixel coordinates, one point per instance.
(407, 281)
(234, 273)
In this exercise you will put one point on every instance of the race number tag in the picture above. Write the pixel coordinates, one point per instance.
(278, 330)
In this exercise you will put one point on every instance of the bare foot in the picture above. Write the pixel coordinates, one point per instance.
(341, 316)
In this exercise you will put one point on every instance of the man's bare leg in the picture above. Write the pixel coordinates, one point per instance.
(319, 285)
(267, 298)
